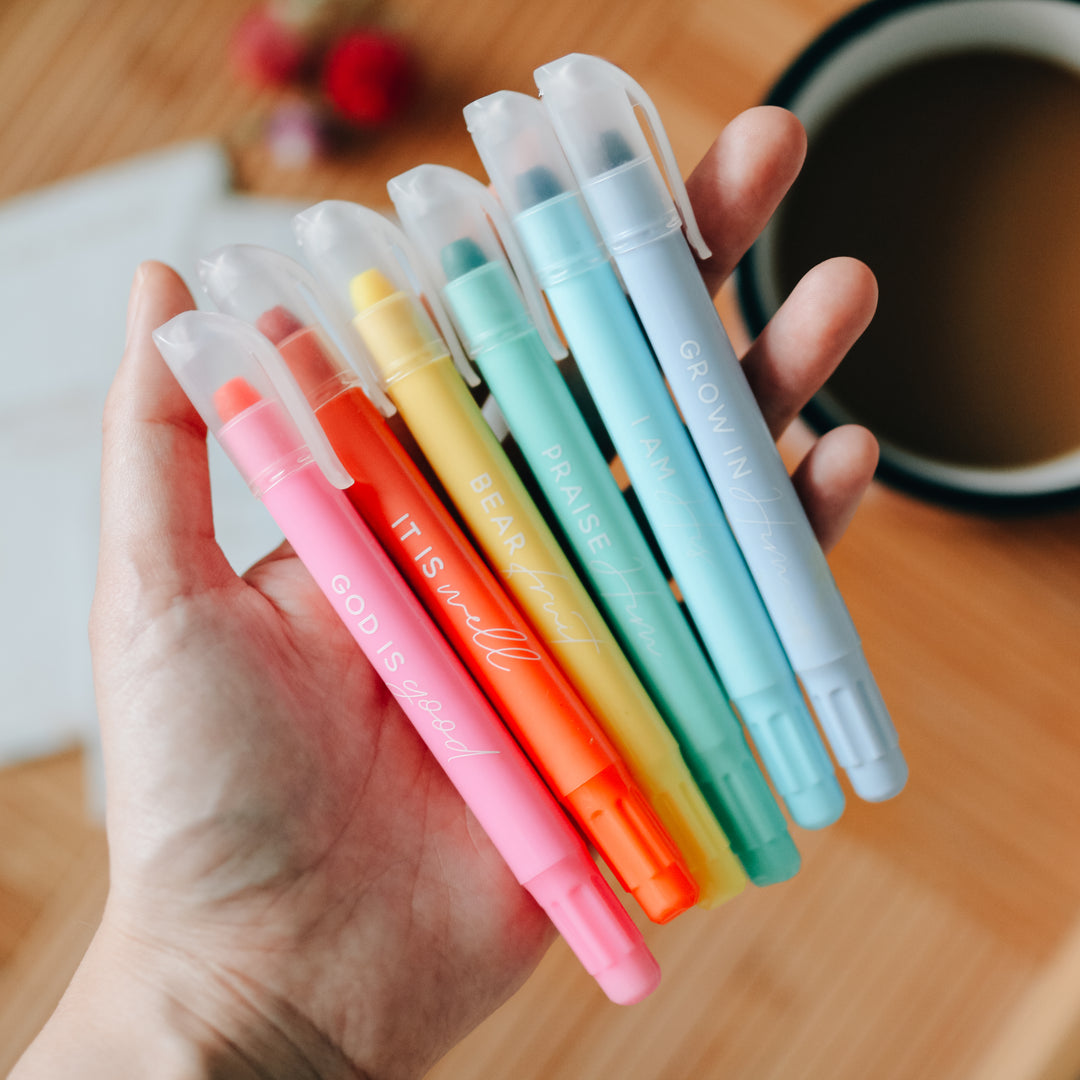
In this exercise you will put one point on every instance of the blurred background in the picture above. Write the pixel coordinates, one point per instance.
(937, 935)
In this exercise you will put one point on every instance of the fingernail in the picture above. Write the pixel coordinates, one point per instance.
(134, 297)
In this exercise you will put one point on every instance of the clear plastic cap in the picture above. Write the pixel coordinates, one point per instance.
(444, 210)
(225, 366)
(279, 297)
(343, 240)
(592, 106)
(520, 150)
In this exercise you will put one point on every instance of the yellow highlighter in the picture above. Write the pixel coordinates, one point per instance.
(357, 253)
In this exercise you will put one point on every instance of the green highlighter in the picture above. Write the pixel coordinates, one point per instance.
(468, 249)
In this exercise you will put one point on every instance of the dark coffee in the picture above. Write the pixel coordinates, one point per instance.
(958, 181)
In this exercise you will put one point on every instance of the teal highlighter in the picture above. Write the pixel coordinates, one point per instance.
(532, 178)
(468, 250)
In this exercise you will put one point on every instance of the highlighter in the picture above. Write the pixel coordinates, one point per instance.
(468, 250)
(592, 105)
(530, 174)
(238, 384)
(467, 602)
(361, 257)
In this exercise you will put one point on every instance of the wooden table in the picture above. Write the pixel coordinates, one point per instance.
(936, 936)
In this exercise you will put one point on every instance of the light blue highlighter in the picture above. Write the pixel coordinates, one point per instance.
(517, 144)
(592, 106)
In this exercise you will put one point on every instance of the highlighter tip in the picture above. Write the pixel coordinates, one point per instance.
(461, 256)
(615, 148)
(369, 288)
(233, 397)
(537, 185)
(277, 323)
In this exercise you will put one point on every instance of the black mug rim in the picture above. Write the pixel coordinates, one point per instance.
(752, 306)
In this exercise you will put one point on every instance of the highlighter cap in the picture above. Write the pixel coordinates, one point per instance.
(225, 366)
(532, 178)
(519, 148)
(343, 241)
(446, 212)
(280, 297)
(594, 107)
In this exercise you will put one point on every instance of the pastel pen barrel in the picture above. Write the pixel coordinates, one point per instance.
(500, 649)
(510, 663)
(592, 103)
(655, 449)
(492, 499)
(436, 205)
(435, 402)
(405, 648)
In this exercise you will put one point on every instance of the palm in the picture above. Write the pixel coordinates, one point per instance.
(290, 798)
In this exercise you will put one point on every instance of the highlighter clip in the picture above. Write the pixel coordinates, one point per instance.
(587, 97)
(207, 349)
(336, 236)
(429, 198)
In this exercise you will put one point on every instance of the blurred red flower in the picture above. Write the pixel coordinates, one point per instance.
(369, 76)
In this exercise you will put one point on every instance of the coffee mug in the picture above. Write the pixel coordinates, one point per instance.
(944, 151)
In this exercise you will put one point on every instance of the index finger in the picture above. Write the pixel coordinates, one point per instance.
(156, 513)
(740, 181)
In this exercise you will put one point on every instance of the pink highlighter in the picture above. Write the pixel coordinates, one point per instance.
(242, 389)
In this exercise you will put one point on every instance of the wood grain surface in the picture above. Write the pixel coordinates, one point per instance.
(935, 936)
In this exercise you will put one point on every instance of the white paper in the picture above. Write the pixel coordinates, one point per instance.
(67, 256)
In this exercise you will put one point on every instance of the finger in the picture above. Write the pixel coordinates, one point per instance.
(808, 337)
(282, 553)
(833, 477)
(740, 181)
(156, 515)
(267, 564)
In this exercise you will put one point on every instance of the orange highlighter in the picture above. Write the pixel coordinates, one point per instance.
(521, 679)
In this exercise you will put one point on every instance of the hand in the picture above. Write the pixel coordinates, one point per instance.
(296, 888)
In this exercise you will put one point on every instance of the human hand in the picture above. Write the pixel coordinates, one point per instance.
(287, 860)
